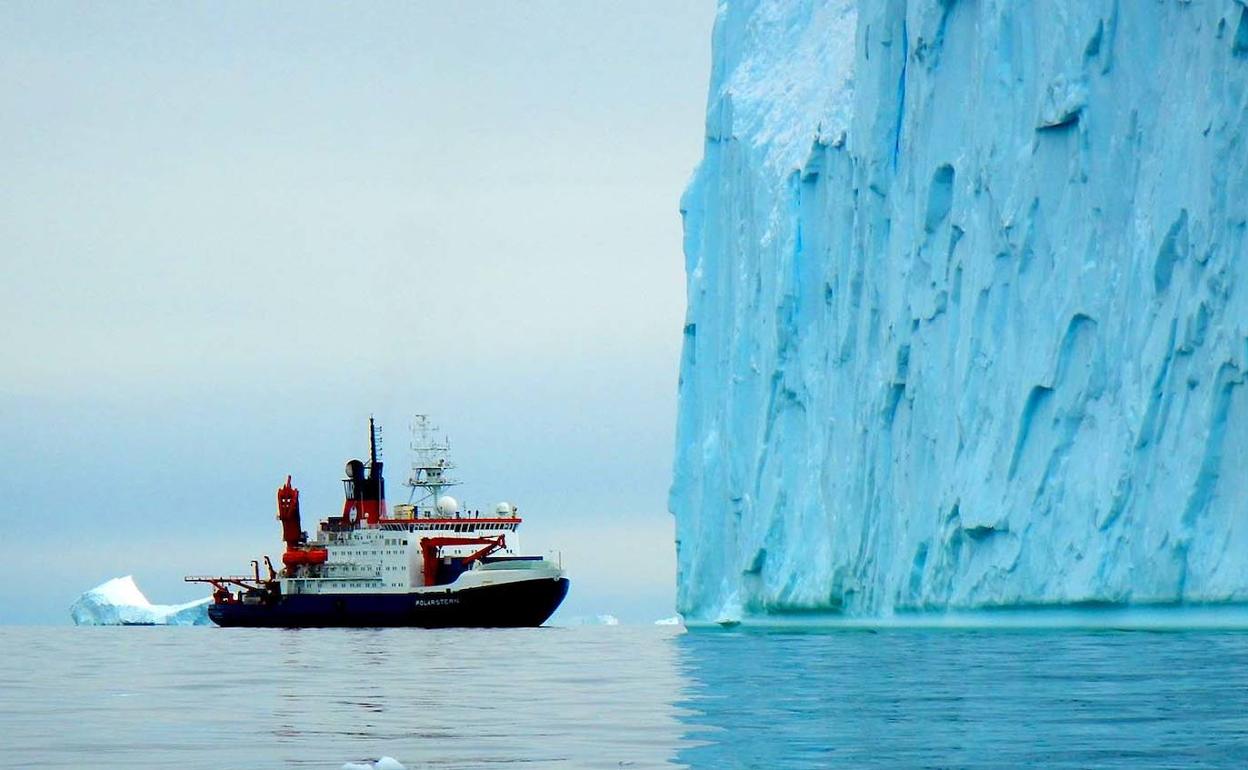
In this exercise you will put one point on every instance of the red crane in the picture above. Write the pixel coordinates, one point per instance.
(429, 547)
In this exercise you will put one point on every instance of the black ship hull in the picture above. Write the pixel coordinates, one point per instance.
(524, 603)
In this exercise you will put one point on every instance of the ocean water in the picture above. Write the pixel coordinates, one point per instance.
(608, 697)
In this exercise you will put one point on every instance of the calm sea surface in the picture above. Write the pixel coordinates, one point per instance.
(621, 697)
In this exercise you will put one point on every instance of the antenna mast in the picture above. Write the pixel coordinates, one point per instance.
(430, 464)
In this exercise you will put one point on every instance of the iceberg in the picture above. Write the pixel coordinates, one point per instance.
(119, 602)
(967, 325)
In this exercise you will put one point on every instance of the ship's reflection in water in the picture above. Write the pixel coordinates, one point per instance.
(603, 697)
(963, 698)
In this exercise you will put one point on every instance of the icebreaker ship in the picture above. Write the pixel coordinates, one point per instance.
(967, 322)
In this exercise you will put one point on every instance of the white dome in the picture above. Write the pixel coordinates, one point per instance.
(447, 505)
(503, 509)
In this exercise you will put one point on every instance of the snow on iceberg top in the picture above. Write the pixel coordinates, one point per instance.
(119, 602)
(783, 85)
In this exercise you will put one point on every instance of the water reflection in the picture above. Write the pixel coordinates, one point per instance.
(587, 697)
(948, 698)
(612, 697)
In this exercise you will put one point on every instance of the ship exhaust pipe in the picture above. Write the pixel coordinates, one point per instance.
(365, 487)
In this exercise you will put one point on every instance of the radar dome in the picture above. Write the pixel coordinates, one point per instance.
(447, 505)
(503, 509)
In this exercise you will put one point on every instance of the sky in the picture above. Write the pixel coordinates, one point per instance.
(230, 232)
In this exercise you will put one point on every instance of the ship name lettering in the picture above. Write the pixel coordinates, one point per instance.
(437, 602)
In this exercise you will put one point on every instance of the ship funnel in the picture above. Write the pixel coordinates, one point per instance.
(365, 486)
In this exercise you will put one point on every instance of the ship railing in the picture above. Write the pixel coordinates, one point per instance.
(358, 574)
(223, 579)
(223, 583)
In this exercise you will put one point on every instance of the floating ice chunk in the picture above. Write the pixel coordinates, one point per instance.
(119, 602)
(604, 619)
(385, 763)
(672, 621)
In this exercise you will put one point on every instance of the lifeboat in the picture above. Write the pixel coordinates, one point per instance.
(296, 557)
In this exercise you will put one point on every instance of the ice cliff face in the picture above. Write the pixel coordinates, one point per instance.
(966, 322)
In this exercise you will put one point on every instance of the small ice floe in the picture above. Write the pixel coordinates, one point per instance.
(385, 763)
(119, 602)
(604, 619)
(674, 620)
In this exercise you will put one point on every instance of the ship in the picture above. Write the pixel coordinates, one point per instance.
(426, 564)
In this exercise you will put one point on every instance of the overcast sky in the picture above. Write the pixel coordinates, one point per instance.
(230, 232)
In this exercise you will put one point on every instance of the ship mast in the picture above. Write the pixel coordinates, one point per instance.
(430, 465)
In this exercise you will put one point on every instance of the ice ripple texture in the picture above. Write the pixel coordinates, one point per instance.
(965, 326)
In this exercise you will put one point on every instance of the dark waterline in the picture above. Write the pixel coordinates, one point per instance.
(620, 696)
